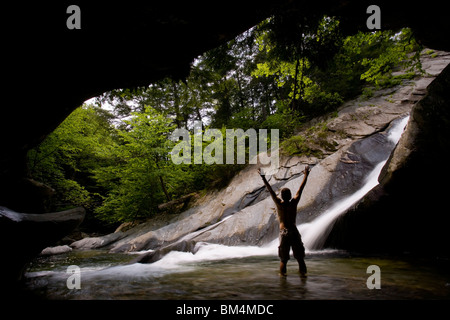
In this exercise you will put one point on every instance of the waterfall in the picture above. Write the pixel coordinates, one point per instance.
(314, 234)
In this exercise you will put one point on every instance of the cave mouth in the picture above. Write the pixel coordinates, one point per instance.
(42, 46)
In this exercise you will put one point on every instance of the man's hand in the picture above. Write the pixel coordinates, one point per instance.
(306, 170)
(259, 172)
(297, 196)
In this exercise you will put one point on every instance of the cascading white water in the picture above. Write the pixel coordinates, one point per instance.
(314, 233)
(396, 131)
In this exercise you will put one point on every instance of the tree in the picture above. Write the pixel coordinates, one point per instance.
(292, 48)
(141, 177)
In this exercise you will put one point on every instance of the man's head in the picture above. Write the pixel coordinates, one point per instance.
(286, 194)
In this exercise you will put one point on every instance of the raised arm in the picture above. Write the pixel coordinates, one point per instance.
(266, 183)
(302, 185)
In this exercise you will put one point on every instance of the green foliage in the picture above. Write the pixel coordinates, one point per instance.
(64, 160)
(393, 51)
(296, 145)
(295, 51)
(373, 56)
(285, 120)
(142, 175)
(312, 142)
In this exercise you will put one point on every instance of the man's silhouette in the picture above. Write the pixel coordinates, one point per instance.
(289, 235)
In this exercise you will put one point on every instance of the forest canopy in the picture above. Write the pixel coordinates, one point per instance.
(279, 74)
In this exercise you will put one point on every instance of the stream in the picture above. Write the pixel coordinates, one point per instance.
(332, 275)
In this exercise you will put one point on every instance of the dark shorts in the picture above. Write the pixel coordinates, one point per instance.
(290, 238)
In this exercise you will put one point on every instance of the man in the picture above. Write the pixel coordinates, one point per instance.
(287, 214)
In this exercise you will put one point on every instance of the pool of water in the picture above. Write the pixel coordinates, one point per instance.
(331, 275)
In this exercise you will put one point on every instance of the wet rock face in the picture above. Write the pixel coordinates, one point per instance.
(355, 163)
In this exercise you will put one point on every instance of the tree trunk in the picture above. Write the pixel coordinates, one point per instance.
(176, 104)
(164, 188)
(241, 96)
(294, 98)
(163, 185)
(265, 109)
(302, 85)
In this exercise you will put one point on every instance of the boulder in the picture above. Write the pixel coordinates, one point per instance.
(90, 243)
(50, 251)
